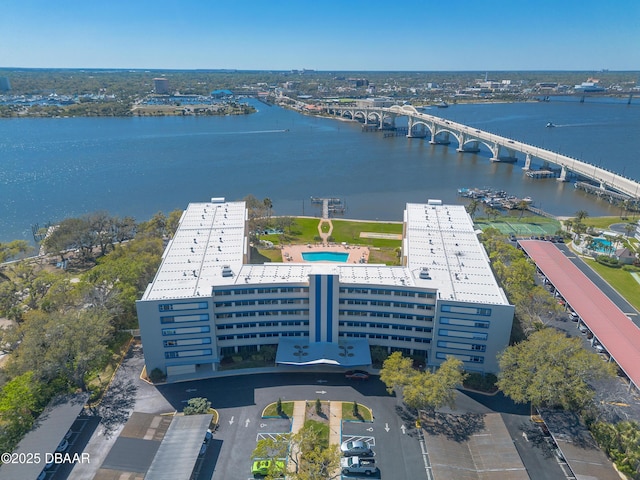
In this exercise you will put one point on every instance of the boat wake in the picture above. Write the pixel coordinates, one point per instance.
(577, 125)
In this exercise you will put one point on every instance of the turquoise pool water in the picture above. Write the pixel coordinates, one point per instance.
(324, 256)
(601, 245)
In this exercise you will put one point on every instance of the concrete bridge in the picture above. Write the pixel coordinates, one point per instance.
(502, 149)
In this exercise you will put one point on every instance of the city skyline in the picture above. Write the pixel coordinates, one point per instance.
(284, 35)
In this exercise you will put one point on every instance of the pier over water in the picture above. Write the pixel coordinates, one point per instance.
(503, 149)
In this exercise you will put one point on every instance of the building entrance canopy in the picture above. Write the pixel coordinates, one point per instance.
(346, 353)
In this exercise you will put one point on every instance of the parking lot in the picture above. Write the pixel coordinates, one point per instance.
(240, 400)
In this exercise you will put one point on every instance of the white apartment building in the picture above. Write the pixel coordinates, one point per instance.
(207, 301)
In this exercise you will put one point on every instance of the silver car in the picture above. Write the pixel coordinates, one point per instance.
(358, 447)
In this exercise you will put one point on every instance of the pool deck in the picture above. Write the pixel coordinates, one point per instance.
(293, 253)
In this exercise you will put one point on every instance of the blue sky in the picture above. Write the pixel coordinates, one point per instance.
(424, 35)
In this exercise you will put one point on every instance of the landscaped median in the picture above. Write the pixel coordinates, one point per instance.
(312, 446)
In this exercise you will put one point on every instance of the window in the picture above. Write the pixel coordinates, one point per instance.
(464, 323)
(187, 342)
(188, 353)
(486, 312)
(184, 330)
(172, 307)
(185, 318)
(464, 358)
(462, 346)
(460, 334)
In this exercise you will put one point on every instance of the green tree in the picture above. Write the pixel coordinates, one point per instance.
(284, 223)
(568, 223)
(268, 205)
(60, 345)
(534, 307)
(197, 406)
(156, 226)
(121, 277)
(549, 370)
(472, 208)
(310, 455)
(123, 229)
(21, 400)
(430, 391)
(173, 220)
(523, 206)
(492, 212)
(629, 229)
(397, 372)
(422, 390)
(581, 215)
(621, 441)
(12, 249)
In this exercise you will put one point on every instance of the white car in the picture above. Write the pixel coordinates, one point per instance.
(358, 447)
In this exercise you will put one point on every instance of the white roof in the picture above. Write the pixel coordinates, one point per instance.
(441, 239)
(212, 235)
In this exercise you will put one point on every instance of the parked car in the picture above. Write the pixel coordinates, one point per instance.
(203, 448)
(356, 375)
(357, 447)
(358, 465)
(266, 467)
(62, 446)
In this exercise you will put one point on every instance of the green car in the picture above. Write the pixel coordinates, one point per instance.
(268, 467)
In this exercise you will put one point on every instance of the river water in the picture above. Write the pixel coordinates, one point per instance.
(51, 169)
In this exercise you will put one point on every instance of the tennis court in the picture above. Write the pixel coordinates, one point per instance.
(523, 229)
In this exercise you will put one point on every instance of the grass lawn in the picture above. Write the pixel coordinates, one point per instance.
(604, 222)
(346, 231)
(619, 279)
(272, 410)
(271, 255)
(364, 413)
(305, 230)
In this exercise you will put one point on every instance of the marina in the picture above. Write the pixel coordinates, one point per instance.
(496, 198)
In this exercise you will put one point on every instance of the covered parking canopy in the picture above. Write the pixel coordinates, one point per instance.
(52, 425)
(179, 449)
(613, 329)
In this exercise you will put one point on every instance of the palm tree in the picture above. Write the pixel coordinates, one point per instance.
(472, 208)
(568, 223)
(492, 213)
(581, 215)
(629, 228)
(523, 206)
(268, 205)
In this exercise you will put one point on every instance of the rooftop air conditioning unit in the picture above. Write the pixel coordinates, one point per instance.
(226, 271)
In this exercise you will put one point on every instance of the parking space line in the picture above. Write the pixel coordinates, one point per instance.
(272, 435)
(355, 438)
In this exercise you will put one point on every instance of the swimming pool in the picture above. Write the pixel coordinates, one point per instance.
(601, 245)
(325, 256)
